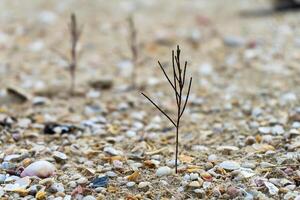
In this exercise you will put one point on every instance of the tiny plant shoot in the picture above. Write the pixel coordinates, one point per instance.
(133, 47)
(178, 85)
(75, 35)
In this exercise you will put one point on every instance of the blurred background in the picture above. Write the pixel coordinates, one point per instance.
(248, 42)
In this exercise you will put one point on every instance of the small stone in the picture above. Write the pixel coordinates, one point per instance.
(199, 148)
(273, 190)
(40, 195)
(265, 130)
(130, 184)
(234, 41)
(82, 180)
(277, 130)
(233, 192)
(130, 134)
(248, 165)
(250, 140)
(117, 164)
(72, 184)
(186, 177)
(229, 165)
(99, 182)
(194, 176)
(59, 156)
(41, 169)
(163, 171)
(111, 174)
(212, 158)
(89, 197)
(227, 149)
(171, 163)
(13, 158)
(113, 151)
(2, 178)
(266, 165)
(195, 184)
(143, 185)
(57, 187)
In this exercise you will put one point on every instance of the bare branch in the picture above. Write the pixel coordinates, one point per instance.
(161, 67)
(184, 70)
(187, 97)
(163, 112)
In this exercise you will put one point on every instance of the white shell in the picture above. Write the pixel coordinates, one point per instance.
(41, 169)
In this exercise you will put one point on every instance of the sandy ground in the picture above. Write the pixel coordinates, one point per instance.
(240, 133)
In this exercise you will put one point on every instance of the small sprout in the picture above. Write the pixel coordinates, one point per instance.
(177, 85)
(75, 34)
(133, 48)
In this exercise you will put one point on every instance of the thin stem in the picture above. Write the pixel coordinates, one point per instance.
(161, 67)
(176, 150)
(187, 97)
(163, 112)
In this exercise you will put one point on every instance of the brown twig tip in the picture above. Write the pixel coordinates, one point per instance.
(179, 76)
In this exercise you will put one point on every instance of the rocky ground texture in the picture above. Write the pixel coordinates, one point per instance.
(240, 134)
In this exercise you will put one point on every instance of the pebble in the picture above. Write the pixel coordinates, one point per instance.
(199, 148)
(82, 180)
(248, 165)
(130, 184)
(41, 169)
(233, 192)
(57, 187)
(171, 163)
(234, 41)
(2, 178)
(250, 140)
(265, 130)
(113, 151)
(194, 176)
(89, 197)
(229, 165)
(195, 184)
(212, 158)
(59, 156)
(143, 185)
(130, 134)
(163, 171)
(227, 149)
(273, 190)
(111, 174)
(277, 130)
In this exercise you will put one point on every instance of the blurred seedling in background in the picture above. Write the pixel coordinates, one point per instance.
(134, 48)
(75, 34)
(177, 85)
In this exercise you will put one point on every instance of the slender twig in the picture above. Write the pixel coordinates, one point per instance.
(133, 47)
(179, 75)
(75, 34)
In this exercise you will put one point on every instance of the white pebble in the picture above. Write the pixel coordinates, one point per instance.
(143, 184)
(130, 184)
(163, 171)
(194, 176)
(42, 169)
(229, 165)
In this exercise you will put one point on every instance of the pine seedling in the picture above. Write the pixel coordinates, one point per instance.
(75, 34)
(177, 85)
(133, 47)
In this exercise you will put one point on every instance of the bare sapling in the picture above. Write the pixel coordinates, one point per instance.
(75, 34)
(178, 86)
(133, 48)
